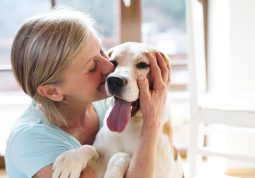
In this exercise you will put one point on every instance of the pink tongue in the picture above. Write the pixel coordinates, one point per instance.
(119, 116)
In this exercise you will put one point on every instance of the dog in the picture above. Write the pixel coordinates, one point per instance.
(115, 142)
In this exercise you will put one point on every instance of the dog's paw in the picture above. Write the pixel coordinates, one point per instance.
(71, 163)
(118, 165)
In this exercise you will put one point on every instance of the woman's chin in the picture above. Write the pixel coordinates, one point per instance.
(101, 88)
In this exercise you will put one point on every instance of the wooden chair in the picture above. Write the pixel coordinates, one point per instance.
(235, 111)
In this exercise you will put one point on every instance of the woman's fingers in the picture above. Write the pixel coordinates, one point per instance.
(163, 66)
(169, 74)
(155, 72)
(143, 85)
(152, 101)
(159, 70)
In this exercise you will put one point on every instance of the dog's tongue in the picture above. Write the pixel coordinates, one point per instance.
(119, 116)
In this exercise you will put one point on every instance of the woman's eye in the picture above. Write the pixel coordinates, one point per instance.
(93, 68)
(142, 65)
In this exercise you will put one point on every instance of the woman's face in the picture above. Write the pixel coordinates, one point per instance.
(84, 79)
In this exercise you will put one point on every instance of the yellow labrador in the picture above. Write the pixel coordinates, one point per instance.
(115, 142)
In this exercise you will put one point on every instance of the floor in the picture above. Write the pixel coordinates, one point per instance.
(2, 173)
(217, 168)
(207, 169)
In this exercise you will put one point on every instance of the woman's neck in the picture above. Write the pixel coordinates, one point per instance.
(82, 122)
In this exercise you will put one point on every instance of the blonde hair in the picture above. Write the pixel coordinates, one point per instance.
(42, 49)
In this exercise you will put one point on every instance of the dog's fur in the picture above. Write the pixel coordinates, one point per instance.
(111, 153)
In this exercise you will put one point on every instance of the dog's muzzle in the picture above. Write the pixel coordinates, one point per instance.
(122, 109)
(116, 84)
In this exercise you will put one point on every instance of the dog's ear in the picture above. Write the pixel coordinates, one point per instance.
(109, 52)
(165, 56)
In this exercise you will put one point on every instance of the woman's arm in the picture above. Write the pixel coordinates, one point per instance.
(152, 103)
(46, 172)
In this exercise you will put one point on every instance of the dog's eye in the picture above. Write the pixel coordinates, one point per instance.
(142, 65)
(114, 63)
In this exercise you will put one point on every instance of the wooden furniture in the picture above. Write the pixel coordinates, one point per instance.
(212, 103)
(2, 165)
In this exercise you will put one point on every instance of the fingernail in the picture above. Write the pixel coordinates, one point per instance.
(140, 77)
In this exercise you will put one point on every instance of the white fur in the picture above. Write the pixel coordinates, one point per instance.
(114, 150)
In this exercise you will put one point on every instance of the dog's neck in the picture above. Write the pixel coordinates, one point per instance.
(138, 117)
(135, 123)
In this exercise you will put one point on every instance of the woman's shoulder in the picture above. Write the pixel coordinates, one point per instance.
(32, 126)
(31, 115)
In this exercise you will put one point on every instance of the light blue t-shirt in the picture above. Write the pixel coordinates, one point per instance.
(34, 144)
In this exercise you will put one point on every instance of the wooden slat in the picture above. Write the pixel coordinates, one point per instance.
(53, 4)
(233, 156)
(230, 118)
(248, 172)
(130, 22)
(5, 68)
(2, 165)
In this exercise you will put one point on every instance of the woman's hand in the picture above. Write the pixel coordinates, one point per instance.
(152, 102)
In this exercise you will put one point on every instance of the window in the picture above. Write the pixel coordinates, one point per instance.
(12, 100)
(164, 26)
(105, 14)
(10, 23)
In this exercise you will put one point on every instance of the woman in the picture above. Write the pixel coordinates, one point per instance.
(58, 61)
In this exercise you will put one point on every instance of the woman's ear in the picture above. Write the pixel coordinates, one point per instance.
(51, 91)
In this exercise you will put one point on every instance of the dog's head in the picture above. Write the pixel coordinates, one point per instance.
(130, 61)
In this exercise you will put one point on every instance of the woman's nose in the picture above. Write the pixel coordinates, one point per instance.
(106, 66)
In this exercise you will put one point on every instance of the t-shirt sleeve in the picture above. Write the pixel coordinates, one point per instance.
(34, 147)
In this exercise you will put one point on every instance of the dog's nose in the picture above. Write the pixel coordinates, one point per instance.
(116, 82)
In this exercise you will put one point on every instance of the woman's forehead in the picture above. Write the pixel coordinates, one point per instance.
(89, 49)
